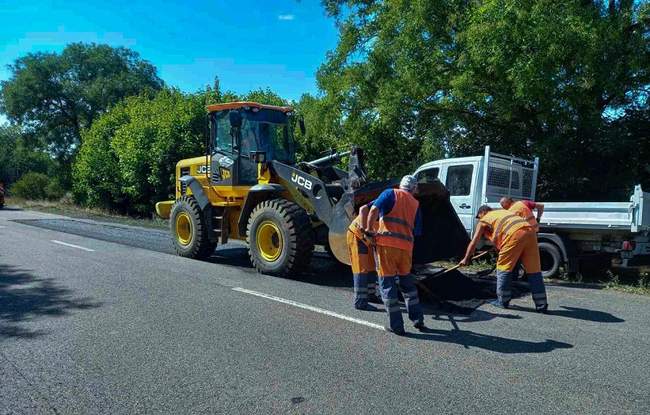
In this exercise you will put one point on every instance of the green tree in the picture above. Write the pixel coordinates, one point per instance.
(557, 79)
(17, 158)
(415, 80)
(53, 97)
(128, 156)
(323, 130)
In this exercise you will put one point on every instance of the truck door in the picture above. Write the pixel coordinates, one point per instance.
(459, 181)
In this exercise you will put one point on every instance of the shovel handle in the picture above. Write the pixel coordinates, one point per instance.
(455, 267)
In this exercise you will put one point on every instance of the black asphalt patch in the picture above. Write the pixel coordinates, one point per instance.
(457, 293)
(151, 239)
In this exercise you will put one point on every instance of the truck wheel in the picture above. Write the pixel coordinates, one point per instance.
(280, 237)
(550, 258)
(189, 230)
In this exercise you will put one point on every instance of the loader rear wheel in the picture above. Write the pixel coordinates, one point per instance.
(189, 229)
(280, 237)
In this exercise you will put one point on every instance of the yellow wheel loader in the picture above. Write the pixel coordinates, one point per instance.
(249, 187)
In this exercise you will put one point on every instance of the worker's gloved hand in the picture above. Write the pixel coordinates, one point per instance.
(370, 238)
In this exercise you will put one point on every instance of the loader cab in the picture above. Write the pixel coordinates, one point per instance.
(240, 128)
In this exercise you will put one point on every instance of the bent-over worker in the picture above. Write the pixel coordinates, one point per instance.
(524, 209)
(399, 220)
(362, 257)
(516, 241)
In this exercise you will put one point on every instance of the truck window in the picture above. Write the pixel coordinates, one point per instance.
(428, 176)
(459, 180)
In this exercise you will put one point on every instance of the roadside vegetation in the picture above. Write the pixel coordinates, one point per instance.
(67, 207)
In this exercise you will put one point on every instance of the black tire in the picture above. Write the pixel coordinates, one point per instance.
(294, 234)
(198, 245)
(550, 258)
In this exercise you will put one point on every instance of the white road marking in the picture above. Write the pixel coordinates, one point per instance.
(72, 245)
(310, 308)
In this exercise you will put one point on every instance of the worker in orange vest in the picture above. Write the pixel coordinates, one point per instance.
(524, 208)
(516, 241)
(362, 256)
(397, 216)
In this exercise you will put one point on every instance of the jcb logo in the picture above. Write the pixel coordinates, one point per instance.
(301, 181)
(203, 169)
(225, 173)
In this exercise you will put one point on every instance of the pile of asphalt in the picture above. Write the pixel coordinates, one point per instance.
(455, 292)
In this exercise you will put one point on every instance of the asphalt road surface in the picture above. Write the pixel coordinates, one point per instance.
(102, 319)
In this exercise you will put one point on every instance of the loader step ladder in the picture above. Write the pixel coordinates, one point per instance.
(219, 226)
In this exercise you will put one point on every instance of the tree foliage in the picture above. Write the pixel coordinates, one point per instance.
(17, 158)
(53, 97)
(37, 186)
(564, 80)
(128, 156)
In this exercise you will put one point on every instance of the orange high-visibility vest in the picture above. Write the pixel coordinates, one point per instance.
(396, 227)
(523, 211)
(502, 225)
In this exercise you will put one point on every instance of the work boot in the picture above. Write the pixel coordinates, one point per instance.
(399, 332)
(374, 299)
(543, 309)
(497, 303)
(366, 307)
(420, 326)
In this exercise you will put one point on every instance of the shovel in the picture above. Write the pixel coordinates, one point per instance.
(455, 267)
(424, 288)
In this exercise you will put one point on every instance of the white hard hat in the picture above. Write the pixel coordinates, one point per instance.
(408, 183)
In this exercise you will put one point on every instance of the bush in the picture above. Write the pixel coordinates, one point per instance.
(54, 190)
(128, 157)
(31, 186)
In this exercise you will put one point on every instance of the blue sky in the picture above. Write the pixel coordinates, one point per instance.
(248, 44)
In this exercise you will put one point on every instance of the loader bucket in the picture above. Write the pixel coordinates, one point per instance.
(443, 234)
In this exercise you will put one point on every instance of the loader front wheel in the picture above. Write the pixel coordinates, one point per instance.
(280, 237)
(189, 230)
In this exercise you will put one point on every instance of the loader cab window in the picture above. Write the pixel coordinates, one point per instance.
(278, 141)
(223, 139)
(261, 130)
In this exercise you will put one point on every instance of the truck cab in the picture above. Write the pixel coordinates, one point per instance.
(475, 181)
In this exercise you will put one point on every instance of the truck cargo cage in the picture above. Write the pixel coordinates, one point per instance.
(507, 175)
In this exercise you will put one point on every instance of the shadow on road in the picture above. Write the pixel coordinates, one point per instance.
(323, 270)
(469, 339)
(25, 298)
(579, 314)
(476, 316)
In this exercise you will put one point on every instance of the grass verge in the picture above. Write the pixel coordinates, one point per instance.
(632, 281)
(74, 211)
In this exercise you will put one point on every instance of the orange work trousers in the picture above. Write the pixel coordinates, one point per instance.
(522, 246)
(393, 261)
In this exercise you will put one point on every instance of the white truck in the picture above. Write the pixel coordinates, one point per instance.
(572, 234)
